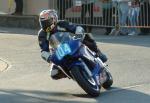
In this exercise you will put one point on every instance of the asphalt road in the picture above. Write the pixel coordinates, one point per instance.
(27, 80)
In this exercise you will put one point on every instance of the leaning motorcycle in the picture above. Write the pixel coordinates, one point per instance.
(79, 63)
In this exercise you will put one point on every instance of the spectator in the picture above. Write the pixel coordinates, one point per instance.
(107, 15)
(62, 5)
(87, 5)
(123, 14)
(133, 16)
(19, 7)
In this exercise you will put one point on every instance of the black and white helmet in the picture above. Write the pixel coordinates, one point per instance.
(47, 18)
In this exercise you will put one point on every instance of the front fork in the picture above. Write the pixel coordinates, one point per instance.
(102, 75)
(80, 62)
(98, 71)
(92, 74)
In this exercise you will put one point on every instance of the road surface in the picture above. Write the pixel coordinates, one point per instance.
(27, 80)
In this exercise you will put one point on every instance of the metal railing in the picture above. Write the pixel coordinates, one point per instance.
(104, 14)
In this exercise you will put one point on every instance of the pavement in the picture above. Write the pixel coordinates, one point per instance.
(27, 79)
(3, 64)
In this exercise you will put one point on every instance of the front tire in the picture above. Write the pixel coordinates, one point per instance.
(87, 83)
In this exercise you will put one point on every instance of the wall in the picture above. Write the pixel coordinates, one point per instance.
(34, 7)
(5, 5)
(31, 7)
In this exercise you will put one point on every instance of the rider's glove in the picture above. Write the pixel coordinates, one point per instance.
(79, 33)
(79, 30)
(47, 56)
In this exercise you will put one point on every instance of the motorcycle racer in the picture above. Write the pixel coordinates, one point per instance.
(50, 24)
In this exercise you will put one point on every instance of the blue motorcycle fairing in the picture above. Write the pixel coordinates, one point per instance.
(96, 73)
(75, 45)
(83, 52)
(86, 52)
(75, 49)
(67, 48)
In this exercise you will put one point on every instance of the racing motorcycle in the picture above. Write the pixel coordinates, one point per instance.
(79, 63)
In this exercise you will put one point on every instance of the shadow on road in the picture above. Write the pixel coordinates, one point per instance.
(118, 96)
(124, 96)
(21, 96)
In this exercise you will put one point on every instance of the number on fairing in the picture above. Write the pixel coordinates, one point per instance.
(63, 50)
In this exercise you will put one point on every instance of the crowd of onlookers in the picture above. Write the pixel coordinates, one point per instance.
(131, 13)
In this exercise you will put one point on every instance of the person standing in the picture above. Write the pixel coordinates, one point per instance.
(133, 16)
(19, 7)
(123, 9)
(107, 15)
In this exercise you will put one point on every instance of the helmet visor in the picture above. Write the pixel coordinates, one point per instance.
(49, 22)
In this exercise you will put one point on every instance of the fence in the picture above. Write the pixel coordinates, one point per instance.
(99, 13)
(105, 14)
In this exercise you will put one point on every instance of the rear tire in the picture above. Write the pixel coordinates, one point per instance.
(85, 82)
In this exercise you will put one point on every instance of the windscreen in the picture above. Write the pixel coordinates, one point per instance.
(59, 38)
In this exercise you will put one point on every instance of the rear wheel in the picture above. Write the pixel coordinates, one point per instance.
(109, 80)
(87, 83)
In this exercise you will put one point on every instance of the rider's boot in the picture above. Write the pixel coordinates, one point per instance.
(56, 73)
(102, 56)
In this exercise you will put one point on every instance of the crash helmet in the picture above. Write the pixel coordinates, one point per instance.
(48, 19)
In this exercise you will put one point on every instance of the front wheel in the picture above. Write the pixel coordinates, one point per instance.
(87, 83)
